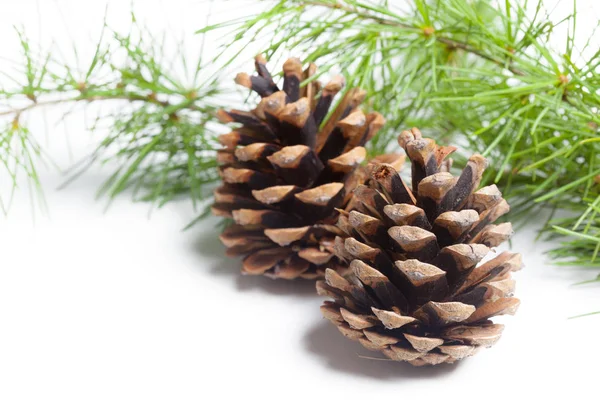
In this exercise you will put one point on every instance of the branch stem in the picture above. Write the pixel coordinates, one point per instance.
(440, 39)
(128, 97)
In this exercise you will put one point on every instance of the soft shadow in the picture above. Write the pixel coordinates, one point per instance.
(207, 244)
(344, 355)
(298, 287)
(205, 240)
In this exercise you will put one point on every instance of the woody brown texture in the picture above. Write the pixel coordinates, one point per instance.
(286, 167)
(423, 280)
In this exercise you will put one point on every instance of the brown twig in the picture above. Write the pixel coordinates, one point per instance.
(447, 41)
(128, 97)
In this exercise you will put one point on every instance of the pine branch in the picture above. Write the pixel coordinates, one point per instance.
(483, 73)
(159, 134)
(479, 73)
(427, 31)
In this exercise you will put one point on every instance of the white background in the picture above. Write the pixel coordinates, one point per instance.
(117, 305)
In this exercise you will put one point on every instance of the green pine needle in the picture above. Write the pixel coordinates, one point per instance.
(160, 137)
(477, 73)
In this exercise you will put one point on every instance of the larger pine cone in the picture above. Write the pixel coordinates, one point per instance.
(287, 168)
(416, 289)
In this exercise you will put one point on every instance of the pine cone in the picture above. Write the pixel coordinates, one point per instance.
(284, 176)
(416, 289)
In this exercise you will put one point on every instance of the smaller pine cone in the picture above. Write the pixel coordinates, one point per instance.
(287, 167)
(417, 289)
